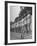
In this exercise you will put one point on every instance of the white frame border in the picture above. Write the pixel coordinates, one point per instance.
(33, 18)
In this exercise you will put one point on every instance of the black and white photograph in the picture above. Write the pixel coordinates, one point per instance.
(21, 22)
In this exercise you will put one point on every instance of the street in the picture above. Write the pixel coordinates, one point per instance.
(15, 36)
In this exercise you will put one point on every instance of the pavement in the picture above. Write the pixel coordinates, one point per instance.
(15, 36)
